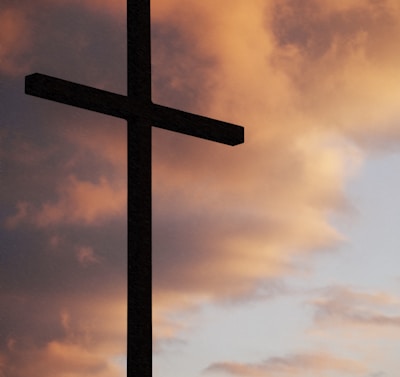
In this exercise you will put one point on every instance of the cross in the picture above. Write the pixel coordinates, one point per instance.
(141, 114)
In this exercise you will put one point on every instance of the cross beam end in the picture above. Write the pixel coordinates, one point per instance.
(196, 125)
(77, 95)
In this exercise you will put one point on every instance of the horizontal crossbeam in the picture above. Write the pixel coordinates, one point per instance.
(77, 95)
(196, 125)
(120, 106)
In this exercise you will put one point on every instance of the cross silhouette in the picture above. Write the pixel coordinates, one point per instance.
(141, 114)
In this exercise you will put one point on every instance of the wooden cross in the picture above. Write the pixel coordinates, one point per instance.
(141, 114)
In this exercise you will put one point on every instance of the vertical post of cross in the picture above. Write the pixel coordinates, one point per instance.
(139, 331)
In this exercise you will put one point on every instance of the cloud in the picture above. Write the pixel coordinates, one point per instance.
(14, 40)
(89, 341)
(346, 306)
(70, 358)
(362, 323)
(79, 202)
(345, 70)
(103, 141)
(269, 200)
(293, 365)
(313, 95)
(86, 256)
(69, 188)
(115, 8)
(20, 215)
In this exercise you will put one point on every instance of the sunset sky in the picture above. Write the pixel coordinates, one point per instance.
(275, 258)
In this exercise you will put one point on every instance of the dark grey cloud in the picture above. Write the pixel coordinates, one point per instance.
(76, 44)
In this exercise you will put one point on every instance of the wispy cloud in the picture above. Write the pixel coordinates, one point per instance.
(341, 305)
(292, 365)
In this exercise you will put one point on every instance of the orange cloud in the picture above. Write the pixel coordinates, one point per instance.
(93, 341)
(79, 202)
(83, 201)
(294, 365)
(364, 323)
(315, 86)
(341, 306)
(14, 41)
(56, 357)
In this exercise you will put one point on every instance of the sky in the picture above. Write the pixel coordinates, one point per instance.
(277, 257)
